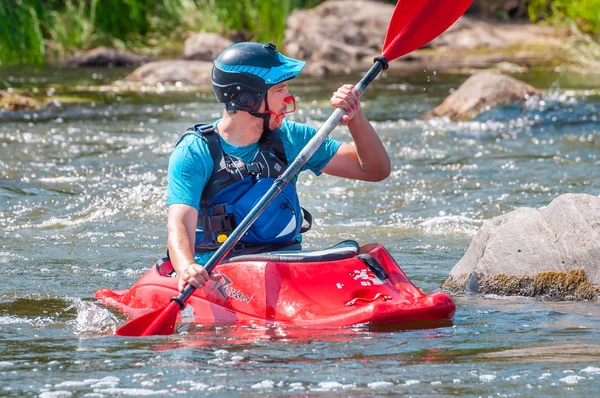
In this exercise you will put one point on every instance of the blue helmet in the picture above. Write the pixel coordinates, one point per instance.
(244, 72)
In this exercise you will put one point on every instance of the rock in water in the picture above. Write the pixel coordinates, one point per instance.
(552, 252)
(106, 57)
(188, 72)
(481, 92)
(15, 102)
(337, 36)
(204, 46)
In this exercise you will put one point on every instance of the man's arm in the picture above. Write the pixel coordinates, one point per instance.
(181, 228)
(367, 160)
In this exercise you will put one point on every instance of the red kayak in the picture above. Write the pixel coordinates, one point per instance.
(344, 285)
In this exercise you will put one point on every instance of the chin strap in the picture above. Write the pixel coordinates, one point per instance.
(266, 115)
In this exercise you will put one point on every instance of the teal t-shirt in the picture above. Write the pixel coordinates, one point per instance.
(190, 164)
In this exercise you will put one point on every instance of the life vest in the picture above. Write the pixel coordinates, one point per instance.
(235, 187)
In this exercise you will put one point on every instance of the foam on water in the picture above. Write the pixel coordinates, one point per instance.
(450, 225)
(487, 378)
(55, 394)
(591, 370)
(331, 386)
(572, 379)
(133, 392)
(37, 322)
(92, 319)
(7, 257)
(193, 385)
(379, 384)
(263, 385)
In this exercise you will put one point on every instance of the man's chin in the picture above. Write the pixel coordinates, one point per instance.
(274, 125)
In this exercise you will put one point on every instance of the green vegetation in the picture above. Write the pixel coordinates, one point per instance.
(584, 13)
(583, 19)
(257, 20)
(21, 38)
(34, 31)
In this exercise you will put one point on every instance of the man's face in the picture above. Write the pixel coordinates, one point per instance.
(276, 98)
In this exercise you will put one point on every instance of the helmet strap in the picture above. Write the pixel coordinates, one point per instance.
(265, 116)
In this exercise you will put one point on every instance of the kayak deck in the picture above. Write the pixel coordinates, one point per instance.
(368, 288)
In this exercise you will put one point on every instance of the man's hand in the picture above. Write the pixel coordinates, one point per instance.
(196, 276)
(346, 97)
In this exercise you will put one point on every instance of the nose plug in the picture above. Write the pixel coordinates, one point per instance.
(287, 100)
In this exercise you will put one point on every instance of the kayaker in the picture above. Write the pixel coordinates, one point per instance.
(218, 171)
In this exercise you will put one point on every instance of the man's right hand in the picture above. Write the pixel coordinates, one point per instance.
(196, 276)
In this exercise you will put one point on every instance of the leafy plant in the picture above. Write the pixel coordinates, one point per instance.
(584, 13)
(21, 39)
(73, 27)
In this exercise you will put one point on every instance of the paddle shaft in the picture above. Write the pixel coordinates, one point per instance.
(283, 180)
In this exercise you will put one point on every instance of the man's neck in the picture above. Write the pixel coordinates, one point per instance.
(240, 128)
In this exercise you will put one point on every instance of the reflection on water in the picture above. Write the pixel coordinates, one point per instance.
(82, 206)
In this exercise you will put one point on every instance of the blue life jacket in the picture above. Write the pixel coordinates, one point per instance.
(235, 187)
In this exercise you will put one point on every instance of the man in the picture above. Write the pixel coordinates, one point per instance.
(218, 172)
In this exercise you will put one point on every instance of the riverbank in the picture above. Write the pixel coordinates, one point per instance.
(333, 50)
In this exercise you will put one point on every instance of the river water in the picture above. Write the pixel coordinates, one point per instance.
(82, 206)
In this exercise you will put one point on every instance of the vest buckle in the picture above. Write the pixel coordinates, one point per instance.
(254, 168)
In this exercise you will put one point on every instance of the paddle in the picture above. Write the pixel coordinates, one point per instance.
(413, 24)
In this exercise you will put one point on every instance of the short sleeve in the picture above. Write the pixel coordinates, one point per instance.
(295, 136)
(190, 167)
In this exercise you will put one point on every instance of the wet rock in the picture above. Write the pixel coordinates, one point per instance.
(557, 353)
(552, 252)
(204, 46)
(106, 57)
(10, 101)
(196, 73)
(480, 92)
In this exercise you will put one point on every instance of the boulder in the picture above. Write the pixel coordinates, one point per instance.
(204, 46)
(197, 73)
(499, 8)
(551, 252)
(337, 35)
(343, 36)
(106, 57)
(480, 92)
(470, 33)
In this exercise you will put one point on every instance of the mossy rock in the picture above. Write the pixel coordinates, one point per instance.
(551, 285)
(16, 102)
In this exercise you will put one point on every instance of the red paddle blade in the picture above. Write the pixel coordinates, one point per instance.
(415, 23)
(159, 322)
